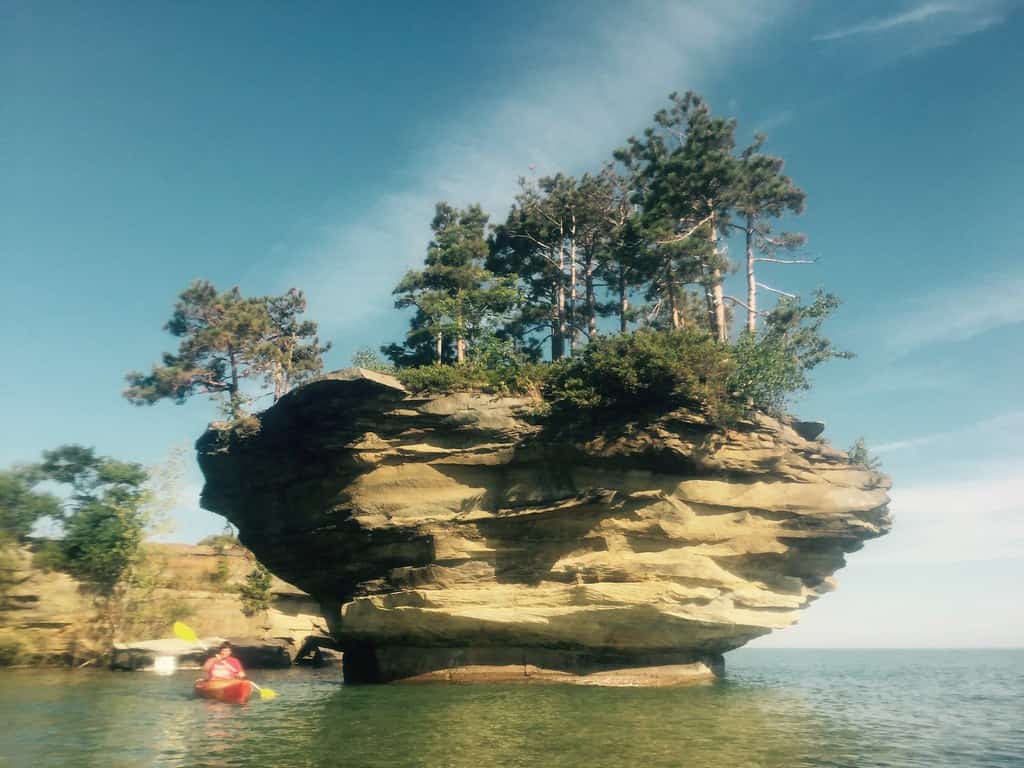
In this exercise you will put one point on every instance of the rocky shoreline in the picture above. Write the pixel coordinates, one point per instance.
(53, 618)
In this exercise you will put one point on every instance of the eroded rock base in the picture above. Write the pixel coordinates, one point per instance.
(407, 664)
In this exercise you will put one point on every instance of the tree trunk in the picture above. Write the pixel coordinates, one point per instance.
(623, 302)
(751, 282)
(591, 297)
(460, 339)
(439, 348)
(673, 300)
(234, 400)
(717, 294)
(558, 340)
(573, 321)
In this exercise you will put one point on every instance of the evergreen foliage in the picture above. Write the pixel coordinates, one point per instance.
(227, 339)
(456, 298)
(21, 505)
(646, 369)
(774, 364)
(652, 224)
(371, 361)
(861, 456)
(255, 591)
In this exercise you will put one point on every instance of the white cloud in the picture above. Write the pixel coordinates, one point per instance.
(566, 118)
(958, 313)
(913, 16)
(957, 19)
(974, 518)
(1007, 426)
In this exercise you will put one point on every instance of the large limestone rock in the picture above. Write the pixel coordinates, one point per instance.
(464, 537)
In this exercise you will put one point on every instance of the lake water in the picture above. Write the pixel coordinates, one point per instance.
(776, 708)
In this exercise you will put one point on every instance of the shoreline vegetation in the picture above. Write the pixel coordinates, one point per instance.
(596, 293)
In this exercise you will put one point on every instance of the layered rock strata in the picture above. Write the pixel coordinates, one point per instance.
(54, 620)
(464, 536)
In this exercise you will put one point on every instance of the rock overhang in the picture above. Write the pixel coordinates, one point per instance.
(464, 521)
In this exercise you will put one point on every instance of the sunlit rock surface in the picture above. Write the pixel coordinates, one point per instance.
(55, 620)
(464, 537)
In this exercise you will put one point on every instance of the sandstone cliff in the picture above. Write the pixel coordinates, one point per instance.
(53, 619)
(460, 535)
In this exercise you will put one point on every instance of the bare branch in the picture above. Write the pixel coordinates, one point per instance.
(776, 290)
(734, 300)
(689, 233)
(786, 261)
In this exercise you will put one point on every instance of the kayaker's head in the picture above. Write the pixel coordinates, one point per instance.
(224, 650)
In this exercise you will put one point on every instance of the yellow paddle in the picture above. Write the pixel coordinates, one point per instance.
(184, 632)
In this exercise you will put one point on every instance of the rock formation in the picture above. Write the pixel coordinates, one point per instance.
(465, 536)
(53, 619)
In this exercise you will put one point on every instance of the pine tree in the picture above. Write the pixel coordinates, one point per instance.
(226, 339)
(552, 240)
(291, 353)
(686, 175)
(763, 192)
(457, 300)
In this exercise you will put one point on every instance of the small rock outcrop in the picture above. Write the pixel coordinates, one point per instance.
(464, 537)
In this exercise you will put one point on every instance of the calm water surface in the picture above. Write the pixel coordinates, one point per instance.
(777, 708)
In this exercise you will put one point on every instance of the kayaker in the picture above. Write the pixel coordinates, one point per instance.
(223, 666)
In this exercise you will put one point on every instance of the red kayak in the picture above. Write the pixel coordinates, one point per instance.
(231, 691)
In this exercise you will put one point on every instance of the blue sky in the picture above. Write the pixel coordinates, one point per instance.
(270, 145)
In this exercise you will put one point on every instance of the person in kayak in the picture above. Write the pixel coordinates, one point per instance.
(223, 666)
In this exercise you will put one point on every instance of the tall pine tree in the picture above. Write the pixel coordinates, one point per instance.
(457, 300)
(762, 193)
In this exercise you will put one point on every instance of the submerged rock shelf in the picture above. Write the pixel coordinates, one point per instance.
(461, 537)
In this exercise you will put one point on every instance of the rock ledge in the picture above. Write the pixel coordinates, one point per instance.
(445, 535)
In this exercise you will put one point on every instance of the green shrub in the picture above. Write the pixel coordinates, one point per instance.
(221, 573)
(47, 555)
(646, 369)
(255, 591)
(442, 378)
(861, 456)
(220, 541)
(12, 648)
(764, 373)
(515, 379)
(371, 361)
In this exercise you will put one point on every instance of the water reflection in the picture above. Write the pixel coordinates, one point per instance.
(562, 726)
(780, 712)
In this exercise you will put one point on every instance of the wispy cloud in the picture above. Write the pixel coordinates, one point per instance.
(950, 19)
(959, 313)
(1006, 426)
(566, 118)
(913, 16)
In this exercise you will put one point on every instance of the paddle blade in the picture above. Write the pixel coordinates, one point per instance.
(184, 632)
(266, 694)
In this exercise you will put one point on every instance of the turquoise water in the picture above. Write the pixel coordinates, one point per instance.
(777, 708)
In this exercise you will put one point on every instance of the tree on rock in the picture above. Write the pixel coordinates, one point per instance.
(764, 192)
(686, 178)
(226, 339)
(291, 352)
(457, 300)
